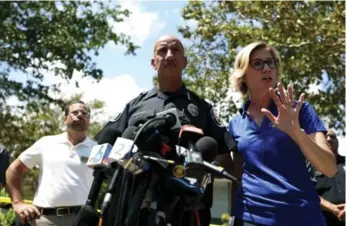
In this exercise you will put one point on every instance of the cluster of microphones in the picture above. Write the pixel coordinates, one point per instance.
(158, 169)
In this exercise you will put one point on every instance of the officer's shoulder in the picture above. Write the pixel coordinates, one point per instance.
(199, 99)
(2, 149)
(138, 98)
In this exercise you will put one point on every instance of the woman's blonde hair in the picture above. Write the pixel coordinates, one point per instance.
(242, 62)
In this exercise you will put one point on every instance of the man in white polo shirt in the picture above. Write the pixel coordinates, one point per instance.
(64, 180)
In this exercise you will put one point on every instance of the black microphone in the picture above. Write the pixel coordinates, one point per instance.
(188, 136)
(99, 167)
(87, 215)
(164, 121)
(107, 135)
(170, 111)
(155, 133)
(129, 133)
(98, 160)
(208, 147)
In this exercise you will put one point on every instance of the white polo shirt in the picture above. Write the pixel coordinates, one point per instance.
(65, 179)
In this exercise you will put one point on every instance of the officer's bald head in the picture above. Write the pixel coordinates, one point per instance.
(169, 61)
(168, 39)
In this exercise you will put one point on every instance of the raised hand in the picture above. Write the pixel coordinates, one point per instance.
(288, 117)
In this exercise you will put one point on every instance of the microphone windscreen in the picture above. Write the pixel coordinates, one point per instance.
(169, 106)
(108, 135)
(130, 132)
(208, 147)
(140, 118)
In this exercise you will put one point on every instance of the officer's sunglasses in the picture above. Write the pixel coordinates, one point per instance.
(258, 64)
(77, 112)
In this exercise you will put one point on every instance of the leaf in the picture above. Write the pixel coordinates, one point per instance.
(36, 34)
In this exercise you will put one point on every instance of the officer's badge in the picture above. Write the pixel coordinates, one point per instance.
(116, 118)
(179, 171)
(193, 109)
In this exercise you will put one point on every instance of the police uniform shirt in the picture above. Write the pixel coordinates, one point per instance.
(191, 109)
(4, 163)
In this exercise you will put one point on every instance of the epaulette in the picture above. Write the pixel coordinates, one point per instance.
(139, 97)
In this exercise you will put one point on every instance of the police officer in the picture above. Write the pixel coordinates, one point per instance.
(169, 61)
(4, 163)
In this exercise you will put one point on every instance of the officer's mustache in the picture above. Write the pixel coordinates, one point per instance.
(169, 63)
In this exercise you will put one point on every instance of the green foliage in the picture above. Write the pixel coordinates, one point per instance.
(36, 34)
(309, 35)
(7, 217)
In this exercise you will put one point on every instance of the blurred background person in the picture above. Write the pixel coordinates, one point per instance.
(4, 163)
(332, 190)
(64, 180)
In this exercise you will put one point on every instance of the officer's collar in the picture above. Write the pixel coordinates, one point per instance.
(182, 91)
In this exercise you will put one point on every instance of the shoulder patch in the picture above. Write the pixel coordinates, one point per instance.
(215, 118)
(193, 109)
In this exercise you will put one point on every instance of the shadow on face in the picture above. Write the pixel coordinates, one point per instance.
(169, 57)
(77, 118)
(261, 73)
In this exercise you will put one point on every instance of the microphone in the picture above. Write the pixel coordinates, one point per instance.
(123, 145)
(169, 111)
(207, 146)
(99, 156)
(121, 148)
(98, 160)
(155, 133)
(188, 136)
(172, 115)
(108, 135)
(163, 122)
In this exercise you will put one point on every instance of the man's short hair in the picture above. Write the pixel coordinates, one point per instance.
(67, 108)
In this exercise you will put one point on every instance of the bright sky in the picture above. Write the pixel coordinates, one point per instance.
(126, 76)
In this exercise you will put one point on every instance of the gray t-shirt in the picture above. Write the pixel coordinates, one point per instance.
(4, 163)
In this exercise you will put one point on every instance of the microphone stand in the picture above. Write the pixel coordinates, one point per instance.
(87, 215)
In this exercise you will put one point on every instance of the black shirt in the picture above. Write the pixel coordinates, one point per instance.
(4, 163)
(191, 109)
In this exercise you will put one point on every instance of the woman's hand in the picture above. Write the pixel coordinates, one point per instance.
(288, 117)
